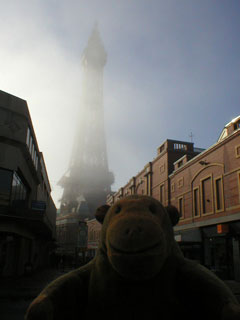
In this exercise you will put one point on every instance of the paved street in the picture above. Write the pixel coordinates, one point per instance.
(17, 294)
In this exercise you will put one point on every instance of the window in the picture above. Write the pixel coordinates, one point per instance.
(19, 191)
(5, 186)
(237, 151)
(33, 152)
(207, 196)
(32, 148)
(180, 182)
(237, 125)
(36, 163)
(162, 168)
(180, 164)
(28, 137)
(219, 194)
(161, 149)
(180, 146)
(180, 207)
(148, 184)
(162, 194)
(35, 158)
(30, 145)
(196, 209)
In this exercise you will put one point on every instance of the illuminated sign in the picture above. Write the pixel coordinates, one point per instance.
(222, 228)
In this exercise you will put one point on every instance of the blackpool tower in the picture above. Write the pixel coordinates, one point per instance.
(88, 180)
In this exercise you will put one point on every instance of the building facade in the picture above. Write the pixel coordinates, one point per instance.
(27, 211)
(94, 232)
(205, 187)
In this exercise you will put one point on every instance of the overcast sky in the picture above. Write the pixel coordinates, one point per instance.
(173, 68)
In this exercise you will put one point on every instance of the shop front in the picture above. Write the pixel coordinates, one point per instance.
(221, 250)
(190, 242)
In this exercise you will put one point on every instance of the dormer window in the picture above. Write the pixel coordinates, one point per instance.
(180, 164)
(236, 125)
(161, 148)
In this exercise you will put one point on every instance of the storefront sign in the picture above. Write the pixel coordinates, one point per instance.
(92, 245)
(39, 205)
(178, 237)
(222, 228)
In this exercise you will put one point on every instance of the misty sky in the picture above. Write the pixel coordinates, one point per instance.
(173, 68)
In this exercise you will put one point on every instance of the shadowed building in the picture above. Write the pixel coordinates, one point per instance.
(27, 211)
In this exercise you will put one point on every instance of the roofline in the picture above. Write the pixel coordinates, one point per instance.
(232, 121)
(218, 143)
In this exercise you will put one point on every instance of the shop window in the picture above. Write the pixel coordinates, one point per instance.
(5, 186)
(207, 200)
(196, 203)
(219, 194)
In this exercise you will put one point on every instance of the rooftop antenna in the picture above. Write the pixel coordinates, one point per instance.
(191, 136)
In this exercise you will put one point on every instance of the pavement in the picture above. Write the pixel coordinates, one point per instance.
(235, 287)
(16, 294)
(29, 286)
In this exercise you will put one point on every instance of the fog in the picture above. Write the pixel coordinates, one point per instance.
(172, 68)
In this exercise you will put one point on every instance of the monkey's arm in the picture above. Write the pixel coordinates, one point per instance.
(202, 288)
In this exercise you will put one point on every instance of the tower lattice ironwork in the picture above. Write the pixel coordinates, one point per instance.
(88, 180)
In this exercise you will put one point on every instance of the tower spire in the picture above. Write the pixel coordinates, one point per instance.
(94, 54)
(88, 175)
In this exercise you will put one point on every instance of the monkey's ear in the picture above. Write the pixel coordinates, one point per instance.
(173, 214)
(101, 213)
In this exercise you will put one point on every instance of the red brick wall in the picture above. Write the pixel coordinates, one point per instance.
(221, 161)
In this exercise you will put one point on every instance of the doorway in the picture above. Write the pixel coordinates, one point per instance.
(218, 254)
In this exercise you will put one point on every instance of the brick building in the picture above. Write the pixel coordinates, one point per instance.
(205, 186)
(27, 211)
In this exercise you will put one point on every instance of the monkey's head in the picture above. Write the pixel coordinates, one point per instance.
(137, 235)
